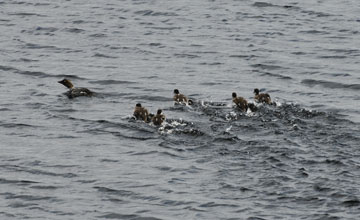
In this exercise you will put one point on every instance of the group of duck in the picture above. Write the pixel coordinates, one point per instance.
(141, 113)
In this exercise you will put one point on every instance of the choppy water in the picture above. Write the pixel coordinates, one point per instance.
(86, 159)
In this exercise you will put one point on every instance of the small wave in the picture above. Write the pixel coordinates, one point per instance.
(109, 161)
(176, 203)
(166, 28)
(38, 46)
(45, 187)
(145, 153)
(8, 68)
(235, 187)
(210, 83)
(127, 217)
(150, 77)
(74, 30)
(118, 216)
(263, 4)
(213, 204)
(299, 53)
(267, 34)
(27, 60)
(351, 203)
(98, 35)
(38, 73)
(16, 125)
(46, 29)
(144, 12)
(139, 137)
(156, 45)
(164, 14)
(17, 182)
(332, 57)
(345, 51)
(26, 14)
(150, 98)
(337, 74)
(230, 139)
(40, 172)
(319, 188)
(247, 57)
(21, 204)
(333, 162)
(34, 73)
(28, 197)
(7, 215)
(211, 64)
(267, 66)
(255, 218)
(78, 22)
(314, 32)
(41, 4)
(183, 55)
(104, 56)
(332, 85)
(316, 13)
(279, 76)
(152, 13)
(123, 193)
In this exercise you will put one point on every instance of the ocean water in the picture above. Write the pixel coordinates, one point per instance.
(86, 158)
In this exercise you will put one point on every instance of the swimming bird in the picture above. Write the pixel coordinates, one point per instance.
(73, 91)
(252, 107)
(141, 113)
(240, 102)
(159, 118)
(262, 97)
(180, 98)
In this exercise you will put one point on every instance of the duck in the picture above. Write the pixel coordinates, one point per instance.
(159, 118)
(73, 91)
(141, 113)
(262, 97)
(240, 102)
(180, 98)
(252, 107)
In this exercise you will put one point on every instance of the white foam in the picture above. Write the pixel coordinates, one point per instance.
(228, 129)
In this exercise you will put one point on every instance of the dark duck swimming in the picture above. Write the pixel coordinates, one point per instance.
(262, 97)
(73, 91)
(159, 118)
(141, 113)
(240, 102)
(181, 98)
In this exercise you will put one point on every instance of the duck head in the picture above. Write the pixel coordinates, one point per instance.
(66, 83)
(256, 91)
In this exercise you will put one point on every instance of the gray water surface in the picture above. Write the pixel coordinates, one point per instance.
(86, 158)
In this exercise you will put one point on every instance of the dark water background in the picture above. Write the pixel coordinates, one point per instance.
(86, 159)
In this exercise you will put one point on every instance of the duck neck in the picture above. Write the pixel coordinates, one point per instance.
(70, 86)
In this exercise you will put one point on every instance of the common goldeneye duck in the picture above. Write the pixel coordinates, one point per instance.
(73, 91)
(141, 113)
(159, 118)
(240, 102)
(262, 97)
(180, 98)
